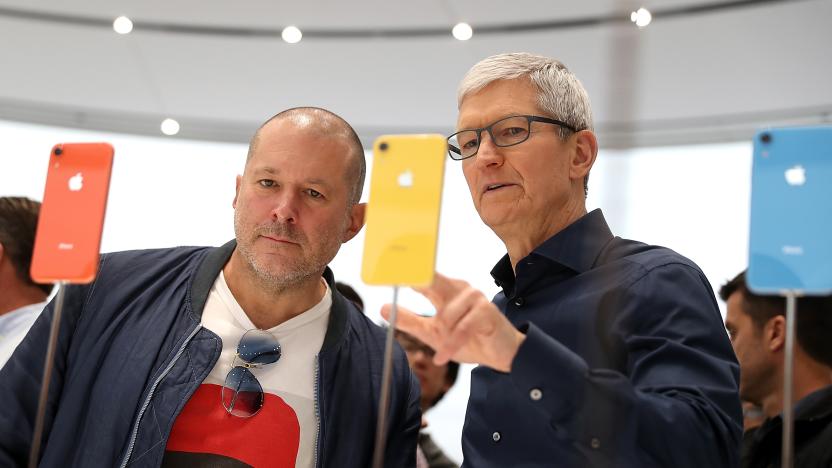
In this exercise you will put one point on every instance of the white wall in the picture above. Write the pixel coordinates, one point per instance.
(167, 192)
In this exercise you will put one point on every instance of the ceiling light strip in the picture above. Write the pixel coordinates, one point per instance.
(380, 33)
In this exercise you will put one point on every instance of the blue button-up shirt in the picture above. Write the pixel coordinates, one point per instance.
(626, 362)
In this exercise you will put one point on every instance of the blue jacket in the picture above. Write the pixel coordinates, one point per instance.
(131, 352)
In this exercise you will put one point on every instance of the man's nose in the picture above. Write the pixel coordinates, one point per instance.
(488, 153)
(286, 208)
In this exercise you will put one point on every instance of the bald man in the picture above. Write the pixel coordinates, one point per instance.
(241, 355)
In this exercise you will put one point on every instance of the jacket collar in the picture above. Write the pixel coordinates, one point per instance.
(576, 247)
(215, 260)
(207, 273)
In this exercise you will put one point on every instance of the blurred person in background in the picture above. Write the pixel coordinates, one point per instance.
(598, 351)
(757, 326)
(435, 381)
(21, 299)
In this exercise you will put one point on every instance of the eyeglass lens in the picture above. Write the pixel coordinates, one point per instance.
(505, 132)
(412, 346)
(242, 394)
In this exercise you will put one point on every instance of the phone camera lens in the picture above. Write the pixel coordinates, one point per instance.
(765, 137)
(58, 151)
(382, 146)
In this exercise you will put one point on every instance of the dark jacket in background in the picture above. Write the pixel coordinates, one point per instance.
(812, 436)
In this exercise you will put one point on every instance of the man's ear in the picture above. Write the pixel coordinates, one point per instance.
(356, 221)
(237, 191)
(2, 251)
(583, 157)
(774, 333)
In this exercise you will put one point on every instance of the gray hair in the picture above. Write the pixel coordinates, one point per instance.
(560, 94)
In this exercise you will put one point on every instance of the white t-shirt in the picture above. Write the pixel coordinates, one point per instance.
(14, 326)
(284, 431)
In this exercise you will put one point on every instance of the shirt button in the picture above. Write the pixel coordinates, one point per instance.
(496, 437)
(595, 443)
(519, 302)
(536, 394)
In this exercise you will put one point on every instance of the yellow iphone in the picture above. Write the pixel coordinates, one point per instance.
(403, 210)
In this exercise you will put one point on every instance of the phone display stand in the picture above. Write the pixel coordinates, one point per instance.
(48, 363)
(386, 380)
(68, 240)
(787, 459)
(789, 252)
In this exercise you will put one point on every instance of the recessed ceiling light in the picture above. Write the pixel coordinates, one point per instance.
(291, 34)
(170, 127)
(462, 31)
(122, 25)
(641, 17)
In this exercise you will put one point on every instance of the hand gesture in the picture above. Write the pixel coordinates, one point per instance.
(467, 326)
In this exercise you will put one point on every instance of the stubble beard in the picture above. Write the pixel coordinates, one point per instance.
(293, 271)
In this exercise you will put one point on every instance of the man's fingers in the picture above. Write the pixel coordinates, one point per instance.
(441, 290)
(476, 325)
(410, 323)
(459, 307)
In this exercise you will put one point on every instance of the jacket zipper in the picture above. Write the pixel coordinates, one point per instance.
(146, 403)
(317, 411)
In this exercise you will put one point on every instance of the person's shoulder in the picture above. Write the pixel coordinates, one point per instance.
(146, 265)
(363, 325)
(650, 267)
(647, 257)
(152, 256)
(368, 335)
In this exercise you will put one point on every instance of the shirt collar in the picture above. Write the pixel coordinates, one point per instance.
(577, 247)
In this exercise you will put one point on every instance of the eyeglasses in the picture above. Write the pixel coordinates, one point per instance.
(508, 131)
(242, 394)
(411, 345)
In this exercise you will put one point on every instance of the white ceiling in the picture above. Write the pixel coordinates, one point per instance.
(220, 68)
(340, 14)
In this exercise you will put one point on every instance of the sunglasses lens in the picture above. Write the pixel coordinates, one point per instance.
(258, 347)
(242, 395)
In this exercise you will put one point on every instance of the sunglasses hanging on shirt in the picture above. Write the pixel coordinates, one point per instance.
(242, 394)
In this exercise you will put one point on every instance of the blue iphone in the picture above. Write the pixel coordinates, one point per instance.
(791, 211)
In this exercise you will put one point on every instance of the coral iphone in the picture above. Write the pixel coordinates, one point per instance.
(71, 218)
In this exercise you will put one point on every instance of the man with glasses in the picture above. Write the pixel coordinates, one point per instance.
(242, 355)
(598, 351)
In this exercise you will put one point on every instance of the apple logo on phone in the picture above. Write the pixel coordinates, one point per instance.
(405, 179)
(796, 175)
(76, 182)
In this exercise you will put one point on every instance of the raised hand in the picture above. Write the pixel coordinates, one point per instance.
(467, 326)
